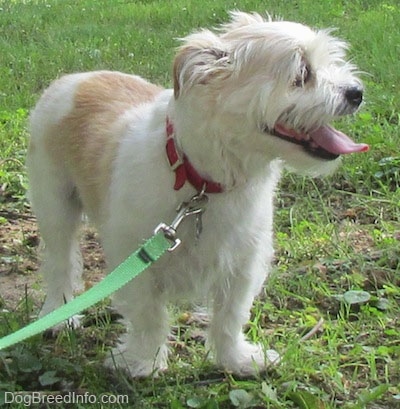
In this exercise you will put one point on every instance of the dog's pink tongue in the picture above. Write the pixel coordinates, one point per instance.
(336, 142)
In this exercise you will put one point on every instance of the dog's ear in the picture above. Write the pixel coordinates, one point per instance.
(201, 58)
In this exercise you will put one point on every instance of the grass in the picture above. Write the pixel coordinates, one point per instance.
(336, 239)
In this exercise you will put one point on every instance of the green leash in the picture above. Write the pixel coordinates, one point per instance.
(135, 264)
(151, 251)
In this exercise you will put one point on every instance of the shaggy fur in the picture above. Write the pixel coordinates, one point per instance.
(253, 97)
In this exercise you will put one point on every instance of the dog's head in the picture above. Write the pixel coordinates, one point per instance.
(279, 83)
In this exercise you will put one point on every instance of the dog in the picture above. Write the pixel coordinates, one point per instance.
(249, 99)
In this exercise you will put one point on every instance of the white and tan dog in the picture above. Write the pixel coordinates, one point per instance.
(248, 100)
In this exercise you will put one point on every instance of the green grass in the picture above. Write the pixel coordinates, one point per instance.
(333, 236)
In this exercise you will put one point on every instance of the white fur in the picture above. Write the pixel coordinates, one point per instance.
(229, 87)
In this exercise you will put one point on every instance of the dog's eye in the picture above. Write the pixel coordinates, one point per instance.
(303, 77)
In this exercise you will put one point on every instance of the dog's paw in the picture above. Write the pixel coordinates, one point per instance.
(135, 366)
(249, 359)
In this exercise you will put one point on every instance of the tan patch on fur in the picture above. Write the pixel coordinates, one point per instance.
(91, 132)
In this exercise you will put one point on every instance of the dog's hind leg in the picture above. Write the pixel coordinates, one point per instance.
(53, 194)
(58, 211)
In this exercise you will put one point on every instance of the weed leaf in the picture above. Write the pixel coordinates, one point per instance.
(356, 297)
(240, 398)
(176, 404)
(27, 362)
(269, 392)
(49, 378)
(383, 304)
(306, 400)
(195, 403)
(373, 394)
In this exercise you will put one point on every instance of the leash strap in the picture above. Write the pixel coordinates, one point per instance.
(164, 239)
(137, 262)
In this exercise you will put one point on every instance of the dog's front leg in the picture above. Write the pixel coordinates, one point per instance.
(142, 350)
(232, 303)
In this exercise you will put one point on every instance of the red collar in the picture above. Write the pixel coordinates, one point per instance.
(184, 170)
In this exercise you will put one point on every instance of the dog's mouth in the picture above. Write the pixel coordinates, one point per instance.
(324, 142)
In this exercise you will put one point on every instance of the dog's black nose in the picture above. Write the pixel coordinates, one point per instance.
(354, 95)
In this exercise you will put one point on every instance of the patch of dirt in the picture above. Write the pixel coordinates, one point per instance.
(20, 259)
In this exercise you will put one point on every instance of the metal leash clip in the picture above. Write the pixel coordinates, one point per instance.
(195, 206)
